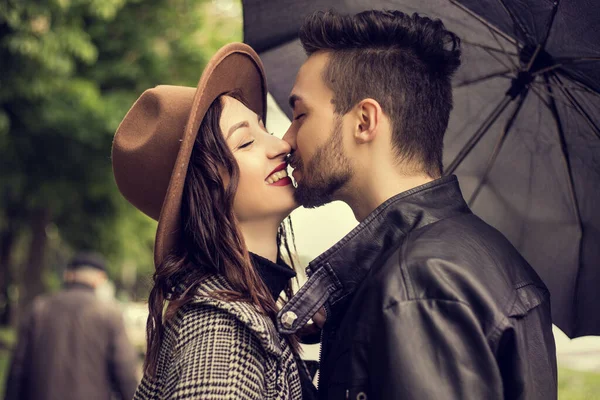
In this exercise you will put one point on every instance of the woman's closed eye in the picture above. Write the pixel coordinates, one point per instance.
(299, 116)
(247, 144)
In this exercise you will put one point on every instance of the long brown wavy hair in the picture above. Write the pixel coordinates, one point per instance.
(211, 240)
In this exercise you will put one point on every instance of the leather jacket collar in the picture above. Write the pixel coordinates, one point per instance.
(336, 273)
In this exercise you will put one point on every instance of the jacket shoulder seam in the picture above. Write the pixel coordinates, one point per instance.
(497, 326)
(439, 300)
(406, 280)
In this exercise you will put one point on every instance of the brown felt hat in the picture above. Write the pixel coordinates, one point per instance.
(153, 144)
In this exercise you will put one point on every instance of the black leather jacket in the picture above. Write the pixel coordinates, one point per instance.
(424, 300)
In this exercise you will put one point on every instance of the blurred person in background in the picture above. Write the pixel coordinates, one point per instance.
(73, 345)
(201, 162)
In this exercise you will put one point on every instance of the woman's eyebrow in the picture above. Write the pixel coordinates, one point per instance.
(243, 124)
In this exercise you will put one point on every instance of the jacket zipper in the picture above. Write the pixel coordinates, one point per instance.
(321, 347)
(309, 272)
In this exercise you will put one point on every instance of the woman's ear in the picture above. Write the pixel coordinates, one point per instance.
(368, 117)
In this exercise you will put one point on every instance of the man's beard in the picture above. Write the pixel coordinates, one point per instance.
(325, 173)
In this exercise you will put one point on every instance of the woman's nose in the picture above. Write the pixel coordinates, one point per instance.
(278, 147)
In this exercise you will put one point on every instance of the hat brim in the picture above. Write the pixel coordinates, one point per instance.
(235, 66)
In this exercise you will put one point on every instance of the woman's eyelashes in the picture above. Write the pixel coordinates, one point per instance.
(299, 116)
(247, 144)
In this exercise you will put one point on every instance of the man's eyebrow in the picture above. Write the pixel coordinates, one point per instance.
(243, 124)
(293, 99)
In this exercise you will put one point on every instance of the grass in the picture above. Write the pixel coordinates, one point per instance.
(7, 336)
(578, 385)
(4, 360)
(7, 340)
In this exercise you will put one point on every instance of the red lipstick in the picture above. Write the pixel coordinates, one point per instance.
(280, 167)
(283, 182)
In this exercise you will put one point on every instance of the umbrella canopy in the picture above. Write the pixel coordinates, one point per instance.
(524, 135)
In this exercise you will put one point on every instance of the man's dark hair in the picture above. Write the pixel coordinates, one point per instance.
(404, 62)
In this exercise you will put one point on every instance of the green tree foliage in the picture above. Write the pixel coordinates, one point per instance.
(69, 71)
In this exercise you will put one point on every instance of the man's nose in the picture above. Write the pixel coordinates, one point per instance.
(290, 137)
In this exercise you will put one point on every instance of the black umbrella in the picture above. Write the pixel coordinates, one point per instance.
(524, 136)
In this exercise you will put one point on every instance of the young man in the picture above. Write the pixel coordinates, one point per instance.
(423, 299)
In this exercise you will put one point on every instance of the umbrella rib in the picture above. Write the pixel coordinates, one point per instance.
(498, 147)
(533, 57)
(542, 88)
(572, 192)
(489, 48)
(550, 23)
(582, 87)
(540, 97)
(502, 47)
(483, 78)
(578, 59)
(577, 106)
(565, 61)
(579, 88)
(489, 121)
(484, 22)
(495, 57)
(516, 22)
(564, 150)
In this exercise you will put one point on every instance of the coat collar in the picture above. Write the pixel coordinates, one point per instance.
(260, 325)
(336, 273)
(276, 276)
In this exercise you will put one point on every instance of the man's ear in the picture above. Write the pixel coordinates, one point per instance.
(368, 119)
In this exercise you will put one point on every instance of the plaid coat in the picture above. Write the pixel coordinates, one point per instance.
(214, 349)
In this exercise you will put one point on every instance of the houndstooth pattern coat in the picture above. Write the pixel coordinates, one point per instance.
(218, 350)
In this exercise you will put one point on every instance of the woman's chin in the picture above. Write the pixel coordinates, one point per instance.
(286, 200)
(293, 204)
(281, 209)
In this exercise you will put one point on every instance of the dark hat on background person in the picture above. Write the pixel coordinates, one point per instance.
(87, 260)
(153, 144)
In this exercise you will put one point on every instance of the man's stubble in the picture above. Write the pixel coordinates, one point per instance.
(327, 172)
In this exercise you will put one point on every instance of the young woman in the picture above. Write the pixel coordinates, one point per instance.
(201, 162)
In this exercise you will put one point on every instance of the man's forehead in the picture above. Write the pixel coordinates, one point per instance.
(313, 66)
(309, 82)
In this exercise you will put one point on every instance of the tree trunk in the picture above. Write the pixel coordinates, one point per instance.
(32, 280)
